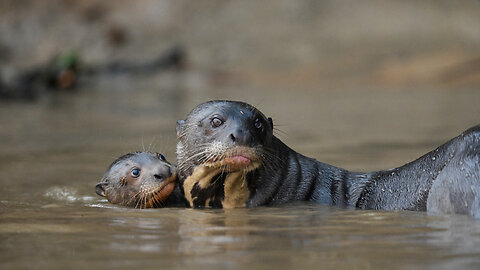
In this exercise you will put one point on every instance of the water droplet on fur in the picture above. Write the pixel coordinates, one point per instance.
(433, 158)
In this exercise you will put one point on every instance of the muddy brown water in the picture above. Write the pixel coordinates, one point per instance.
(53, 152)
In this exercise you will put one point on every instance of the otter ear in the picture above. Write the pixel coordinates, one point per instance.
(100, 188)
(179, 126)
(271, 122)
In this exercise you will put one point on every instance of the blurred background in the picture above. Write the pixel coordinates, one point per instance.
(337, 72)
(301, 44)
(364, 85)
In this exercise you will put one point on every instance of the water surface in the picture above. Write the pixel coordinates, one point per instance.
(53, 152)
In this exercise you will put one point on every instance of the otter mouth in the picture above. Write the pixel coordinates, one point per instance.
(156, 197)
(235, 159)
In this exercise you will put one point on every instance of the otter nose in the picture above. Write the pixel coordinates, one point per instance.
(241, 137)
(158, 177)
(163, 173)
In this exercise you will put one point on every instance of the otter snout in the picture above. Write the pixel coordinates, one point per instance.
(242, 137)
(164, 172)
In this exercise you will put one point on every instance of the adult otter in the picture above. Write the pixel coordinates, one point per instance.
(228, 157)
(141, 180)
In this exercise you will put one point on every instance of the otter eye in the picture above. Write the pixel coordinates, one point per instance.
(135, 172)
(161, 157)
(216, 122)
(258, 124)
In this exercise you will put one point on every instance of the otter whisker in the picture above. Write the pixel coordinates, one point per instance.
(153, 200)
(141, 202)
(157, 200)
(130, 200)
(138, 201)
(194, 156)
(269, 156)
(134, 197)
(151, 143)
(145, 201)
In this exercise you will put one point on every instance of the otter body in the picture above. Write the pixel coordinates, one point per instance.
(228, 157)
(448, 175)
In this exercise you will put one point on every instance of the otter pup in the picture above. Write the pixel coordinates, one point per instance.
(141, 180)
(228, 157)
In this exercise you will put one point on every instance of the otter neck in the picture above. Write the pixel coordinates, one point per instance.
(295, 177)
(299, 178)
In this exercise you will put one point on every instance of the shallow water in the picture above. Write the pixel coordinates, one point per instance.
(52, 153)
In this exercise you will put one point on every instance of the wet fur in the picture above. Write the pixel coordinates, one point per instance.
(145, 192)
(445, 180)
(206, 186)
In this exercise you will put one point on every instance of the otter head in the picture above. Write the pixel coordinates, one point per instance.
(224, 138)
(139, 179)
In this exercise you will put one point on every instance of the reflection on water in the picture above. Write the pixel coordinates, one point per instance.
(53, 153)
(301, 235)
